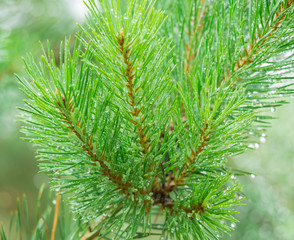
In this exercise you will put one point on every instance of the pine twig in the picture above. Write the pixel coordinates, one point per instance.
(129, 73)
(253, 49)
(46, 227)
(88, 148)
(114, 101)
(56, 213)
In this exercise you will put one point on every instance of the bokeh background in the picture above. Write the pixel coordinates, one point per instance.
(24, 25)
(269, 210)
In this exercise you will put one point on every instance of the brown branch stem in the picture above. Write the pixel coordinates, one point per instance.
(254, 48)
(46, 227)
(140, 127)
(66, 110)
(56, 213)
(204, 138)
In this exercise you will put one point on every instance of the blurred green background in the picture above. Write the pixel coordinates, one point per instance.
(268, 214)
(23, 23)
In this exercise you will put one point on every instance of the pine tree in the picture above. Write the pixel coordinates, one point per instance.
(137, 118)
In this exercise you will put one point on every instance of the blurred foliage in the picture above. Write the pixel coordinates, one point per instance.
(270, 205)
(23, 23)
(28, 21)
(46, 223)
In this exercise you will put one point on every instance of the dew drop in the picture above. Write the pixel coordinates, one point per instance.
(262, 139)
(54, 202)
(233, 177)
(251, 145)
(273, 109)
(256, 145)
(233, 225)
(252, 176)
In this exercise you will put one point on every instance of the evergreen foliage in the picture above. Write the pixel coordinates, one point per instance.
(140, 115)
(19, 226)
(22, 24)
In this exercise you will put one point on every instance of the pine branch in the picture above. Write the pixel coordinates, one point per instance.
(125, 51)
(79, 131)
(200, 148)
(131, 133)
(267, 33)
